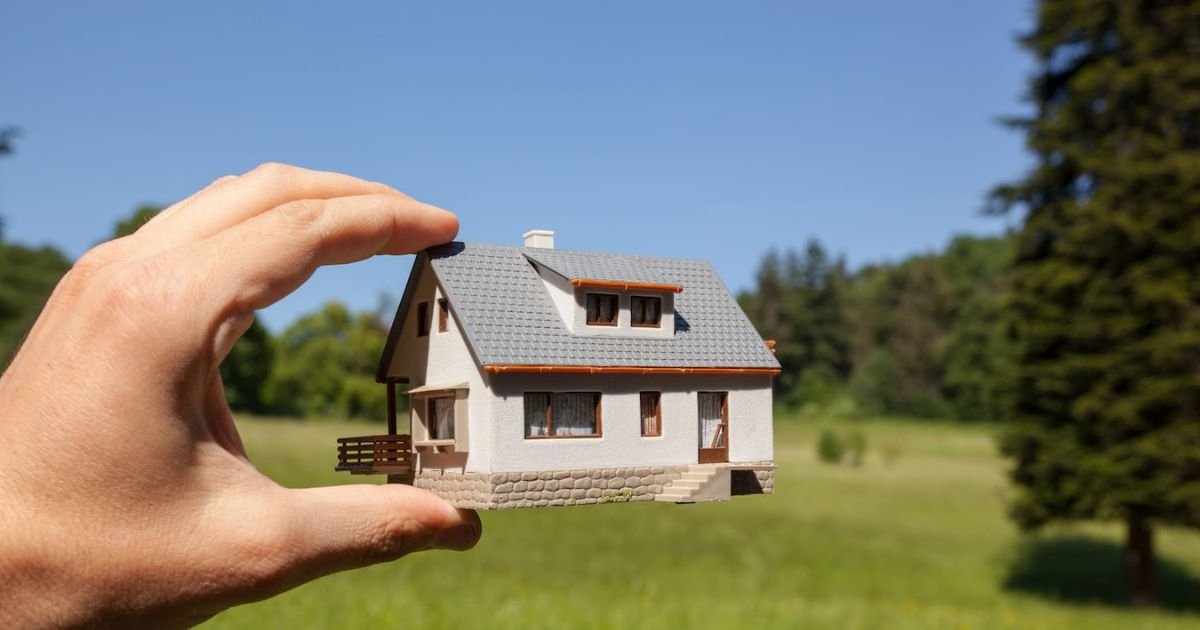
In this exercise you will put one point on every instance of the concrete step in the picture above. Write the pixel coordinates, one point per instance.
(698, 476)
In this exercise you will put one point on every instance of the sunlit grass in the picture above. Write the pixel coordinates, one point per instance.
(919, 542)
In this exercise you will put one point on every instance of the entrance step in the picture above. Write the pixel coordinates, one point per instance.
(701, 482)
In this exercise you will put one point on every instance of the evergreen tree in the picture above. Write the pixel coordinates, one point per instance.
(798, 304)
(1105, 298)
(977, 353)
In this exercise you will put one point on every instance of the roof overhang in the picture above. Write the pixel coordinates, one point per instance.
(438, 389)
(627, 286)
(588, 369)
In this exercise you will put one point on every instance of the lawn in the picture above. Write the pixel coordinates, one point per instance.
(916, 539)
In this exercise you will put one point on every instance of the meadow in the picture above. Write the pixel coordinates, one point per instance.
(915, 537)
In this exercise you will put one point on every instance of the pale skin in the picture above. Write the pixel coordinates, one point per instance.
(128, 499)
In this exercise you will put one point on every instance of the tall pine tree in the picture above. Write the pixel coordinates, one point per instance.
(1106, 290)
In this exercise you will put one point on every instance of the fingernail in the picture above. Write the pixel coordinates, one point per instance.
(458, 538)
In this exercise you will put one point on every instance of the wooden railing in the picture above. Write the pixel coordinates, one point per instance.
(375, 454)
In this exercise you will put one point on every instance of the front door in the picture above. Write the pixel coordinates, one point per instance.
(714, 427)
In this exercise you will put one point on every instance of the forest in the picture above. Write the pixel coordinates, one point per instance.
(923, 337)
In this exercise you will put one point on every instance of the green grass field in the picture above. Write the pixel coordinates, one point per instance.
(921, 542)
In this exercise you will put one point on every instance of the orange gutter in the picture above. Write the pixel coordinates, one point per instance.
(626, 286)
(585, 369)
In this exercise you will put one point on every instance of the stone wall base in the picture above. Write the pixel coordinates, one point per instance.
(503, 490)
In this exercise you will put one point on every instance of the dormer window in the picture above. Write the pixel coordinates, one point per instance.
(602, 309)
(645, 311)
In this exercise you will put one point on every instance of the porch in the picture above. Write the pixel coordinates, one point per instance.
(436, 437)
(375, 454)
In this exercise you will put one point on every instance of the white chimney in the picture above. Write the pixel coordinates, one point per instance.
(539, 238)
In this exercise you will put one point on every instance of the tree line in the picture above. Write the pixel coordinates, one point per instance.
(922, 337)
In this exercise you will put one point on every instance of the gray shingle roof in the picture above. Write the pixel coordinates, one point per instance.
(508, 318)
(596, 266)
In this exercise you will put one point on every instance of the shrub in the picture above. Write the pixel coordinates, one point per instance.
(829, 447)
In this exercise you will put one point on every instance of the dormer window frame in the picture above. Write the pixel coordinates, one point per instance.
(587, 309)
(634, 298)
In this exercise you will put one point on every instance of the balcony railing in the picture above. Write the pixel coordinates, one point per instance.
(375, 454)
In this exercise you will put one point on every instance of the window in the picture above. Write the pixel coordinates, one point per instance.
(651, 414)
(423, 319)
(645, 311)
(443, 314)
(562, 414)
(601, 309)
(441, 418)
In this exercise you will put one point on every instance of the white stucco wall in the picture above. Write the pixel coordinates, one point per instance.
(750, 418)
(444, 358)
(562, 294)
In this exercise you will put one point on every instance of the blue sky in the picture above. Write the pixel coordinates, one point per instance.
(694, 129)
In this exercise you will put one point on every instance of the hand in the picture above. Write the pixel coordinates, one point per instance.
(126, 494)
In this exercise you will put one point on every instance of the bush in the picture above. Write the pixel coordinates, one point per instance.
(829, 447)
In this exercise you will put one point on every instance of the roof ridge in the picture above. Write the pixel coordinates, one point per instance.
(559, 250)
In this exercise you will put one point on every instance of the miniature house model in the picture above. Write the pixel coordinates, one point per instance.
(538, 376)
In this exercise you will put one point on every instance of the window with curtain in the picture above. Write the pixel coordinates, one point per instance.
(441, 418)
(645, 311)
(651, 414)
(443, 314)
(712, 416)
(601, 309)
(562, 414)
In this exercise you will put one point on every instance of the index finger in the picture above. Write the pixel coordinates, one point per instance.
(231, 200)
(259, 261)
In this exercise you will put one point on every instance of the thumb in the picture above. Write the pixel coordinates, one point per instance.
(346, 527)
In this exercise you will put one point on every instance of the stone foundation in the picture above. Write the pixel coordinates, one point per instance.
(471, 491)
(502, 490)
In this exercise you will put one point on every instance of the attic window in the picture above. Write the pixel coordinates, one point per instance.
(601, 309)
(645, 312)
(423, 319)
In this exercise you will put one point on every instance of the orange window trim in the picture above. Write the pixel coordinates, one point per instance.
(627, 286)
(656, 398)
(550, 419)
(583, 369)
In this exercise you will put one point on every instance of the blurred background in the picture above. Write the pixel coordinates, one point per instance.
(973, 229)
